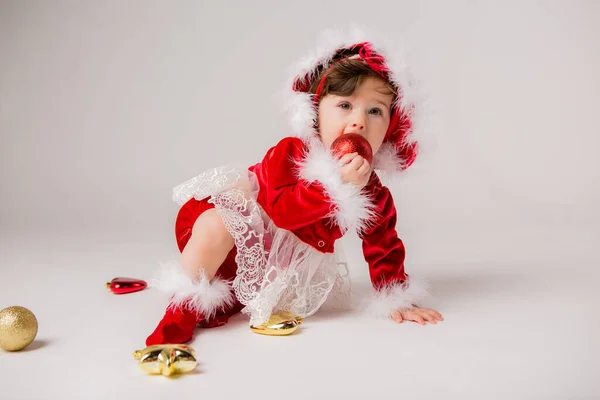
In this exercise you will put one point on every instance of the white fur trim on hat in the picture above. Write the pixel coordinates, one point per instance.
(201, 296)
(353, 208)
(303, 115)
(397, 296)
(386, 159)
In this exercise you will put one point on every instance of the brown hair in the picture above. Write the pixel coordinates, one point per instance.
(344, 77)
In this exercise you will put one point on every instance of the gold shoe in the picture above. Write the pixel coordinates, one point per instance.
(279, 324)
(166, 359)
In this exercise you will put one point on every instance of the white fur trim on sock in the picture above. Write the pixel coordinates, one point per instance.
(397, 297)
(354, 209)
(201, 296)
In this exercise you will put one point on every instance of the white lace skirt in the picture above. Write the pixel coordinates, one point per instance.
(276, 271)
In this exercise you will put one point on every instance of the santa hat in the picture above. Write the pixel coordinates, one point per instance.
(400, 146)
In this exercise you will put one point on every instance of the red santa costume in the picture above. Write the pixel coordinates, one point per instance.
(286, 212)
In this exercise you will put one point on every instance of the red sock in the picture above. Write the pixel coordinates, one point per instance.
(176, 327)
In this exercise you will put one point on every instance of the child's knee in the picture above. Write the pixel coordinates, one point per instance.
(211, 231)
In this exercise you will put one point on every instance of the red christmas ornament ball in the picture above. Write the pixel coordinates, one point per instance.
(352, 143)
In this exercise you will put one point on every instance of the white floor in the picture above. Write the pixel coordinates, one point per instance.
(521, 322)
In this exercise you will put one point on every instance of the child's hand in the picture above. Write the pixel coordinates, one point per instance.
(417, 314)
(355, 169)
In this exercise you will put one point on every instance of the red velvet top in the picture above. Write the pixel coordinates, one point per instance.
(306, 210)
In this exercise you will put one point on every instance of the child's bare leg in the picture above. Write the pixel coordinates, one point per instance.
(204, 253)
(208, 246)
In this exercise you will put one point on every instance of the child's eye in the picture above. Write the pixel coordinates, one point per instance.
(376, 111)
(344, 106)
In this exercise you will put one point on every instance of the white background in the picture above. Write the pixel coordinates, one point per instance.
(106, 106)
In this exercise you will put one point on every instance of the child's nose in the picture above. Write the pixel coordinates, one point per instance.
(359, 126)
(358, 121)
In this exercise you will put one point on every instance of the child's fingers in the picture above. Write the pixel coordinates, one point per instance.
(397, 316)
(346, 158)
(430, 317)
(436, 314)
(413, 316)
(357, 162)
(365, 168)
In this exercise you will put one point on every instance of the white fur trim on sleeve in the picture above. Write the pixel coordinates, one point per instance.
(353, 208)
(202, 296)
(398, 296)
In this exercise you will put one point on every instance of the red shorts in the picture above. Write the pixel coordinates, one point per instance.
(184, 224)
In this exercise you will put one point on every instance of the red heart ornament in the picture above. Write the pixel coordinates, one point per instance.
(352, 143)
(122, 285)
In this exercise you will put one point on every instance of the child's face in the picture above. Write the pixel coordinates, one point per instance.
(366, 112)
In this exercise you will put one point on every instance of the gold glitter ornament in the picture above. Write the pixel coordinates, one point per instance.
(18, 328)
(166, 359)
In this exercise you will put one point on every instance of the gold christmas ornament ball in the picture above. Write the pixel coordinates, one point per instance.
(18, 328)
